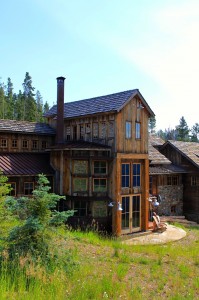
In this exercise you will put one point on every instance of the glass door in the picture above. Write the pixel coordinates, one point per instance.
(136, 213)
(131, 213)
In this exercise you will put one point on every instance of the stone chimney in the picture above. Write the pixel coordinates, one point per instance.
(60, 110)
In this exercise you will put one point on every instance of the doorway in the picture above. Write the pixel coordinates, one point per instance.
(131, 213)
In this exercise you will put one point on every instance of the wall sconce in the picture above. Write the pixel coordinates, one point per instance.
(140, 105)
(119, 205)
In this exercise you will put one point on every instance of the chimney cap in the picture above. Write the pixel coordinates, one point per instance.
(60, 78)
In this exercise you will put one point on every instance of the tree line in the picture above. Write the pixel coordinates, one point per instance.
(27, 105)
(181, 132)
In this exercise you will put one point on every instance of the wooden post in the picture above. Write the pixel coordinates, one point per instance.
(145, 210)
(117, 198)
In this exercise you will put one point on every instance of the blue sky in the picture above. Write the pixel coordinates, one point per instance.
(106, 46)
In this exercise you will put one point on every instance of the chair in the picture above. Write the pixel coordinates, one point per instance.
(157, 224)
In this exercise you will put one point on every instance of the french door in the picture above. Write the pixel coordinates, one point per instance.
(131, 213)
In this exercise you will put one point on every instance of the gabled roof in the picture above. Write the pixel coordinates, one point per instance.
(165, 169)
(26, 127)
(80, 145)
(156, 140)
(155, 157)
(109, 103)
(15, 164)
(189, 150)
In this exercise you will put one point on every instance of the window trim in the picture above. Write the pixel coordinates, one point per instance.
(137, 130)
(25, 182)
(27, 144)
(4, 143)
(128, 130)
(99, 185)
(96, 173)
(126, 175)
(80, 191)
(35, 144)
(78, 209)
(16, 142)
(135, 176)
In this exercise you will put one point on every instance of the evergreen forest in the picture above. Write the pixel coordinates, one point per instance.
(27, 105)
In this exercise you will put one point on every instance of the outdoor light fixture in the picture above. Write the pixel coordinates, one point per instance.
(119, 205)
(140, 106)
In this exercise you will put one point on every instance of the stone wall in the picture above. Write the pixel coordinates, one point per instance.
(171, 200)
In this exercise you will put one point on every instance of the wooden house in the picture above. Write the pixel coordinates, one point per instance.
(101, 159)
(23, 155)
(165, 179)
(186, 155)
(95, 151)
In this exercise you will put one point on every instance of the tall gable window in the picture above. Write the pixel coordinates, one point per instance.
(136, 175)
(137, 130)
(125, 175)
(128, 130)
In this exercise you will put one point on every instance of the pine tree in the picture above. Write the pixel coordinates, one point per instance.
(195, 133)
(2, 101)
(182, 130)
(29, 105)
(152, 124)
(39, 101)
(9, 100)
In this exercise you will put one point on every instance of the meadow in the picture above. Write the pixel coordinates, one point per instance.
(86, 265)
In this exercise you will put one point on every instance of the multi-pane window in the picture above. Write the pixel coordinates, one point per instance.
(136, 175)
(80, 184)
(34, 144)
(128, 130)
(137, 130)
(28, 188)
(14, 143)
(95, 130)
(172, 180)
(43, 144)
(125, 175)
(4, 143)
(80, 208)
(13, 189)
(68, 133)
(81, 129)
(24, 144)
(99, 185)
(100, 167)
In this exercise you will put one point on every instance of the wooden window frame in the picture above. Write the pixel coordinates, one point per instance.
(125, 176)
(35, 144)
(14, 143)
(13, 192)
(25, 142)
(96, 135)
(78, 209)
(194, 181)
(135, 175)
(43, 144)
(128, 130)
(173, 180)
(28, 182)
(99, 173)
(137, 130)
(4, 143)
(80, 190)
(99, 191)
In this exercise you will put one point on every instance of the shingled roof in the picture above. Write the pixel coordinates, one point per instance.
(190, 150)
(109, 103)
(155, 157)
(14, 164)
(26, 127)
(80, 145)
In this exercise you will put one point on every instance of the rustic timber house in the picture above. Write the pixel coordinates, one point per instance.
(98, 158)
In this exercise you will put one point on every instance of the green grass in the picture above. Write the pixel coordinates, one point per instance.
(85, 265)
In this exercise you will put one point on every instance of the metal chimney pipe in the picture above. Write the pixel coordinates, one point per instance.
(60, 110)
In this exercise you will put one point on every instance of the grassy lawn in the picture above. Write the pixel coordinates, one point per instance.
(87, 266)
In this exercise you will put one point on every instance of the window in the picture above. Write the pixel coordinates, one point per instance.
(81, 129)
(125, 175)
(13, 187)
(95, 130)
(128, 130)
(34, 144)
(24, 144)
(100, 167)
(80, 166)
(14, 143)
(194, 180)
(136, 175)
(80, 207)
(4, 143)
(137, 130)
(172, 180)
(28, 188)
(68, 132)
(99, 185)
(80, 184)
(43, 144)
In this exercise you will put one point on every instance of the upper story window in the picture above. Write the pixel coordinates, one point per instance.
(128, 130)
(34, 144)
(100, 167)
(136, 175)
(68, 133)
(43, 144)
(137, 130)
(28, 188)
(172, 180)
(125, 175)
(81, 134)
(4, 143)
(95, 131)
(24, 144)
(194, 180)
(80, 166)
(99, 185)
(14, 143)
